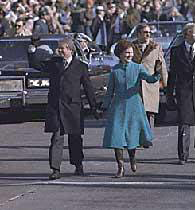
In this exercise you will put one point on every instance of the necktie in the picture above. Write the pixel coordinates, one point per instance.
(191, 53)
(65, 64)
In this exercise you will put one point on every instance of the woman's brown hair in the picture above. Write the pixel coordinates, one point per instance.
(121, 46)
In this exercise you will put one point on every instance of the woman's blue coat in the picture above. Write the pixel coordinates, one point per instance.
(127, 124)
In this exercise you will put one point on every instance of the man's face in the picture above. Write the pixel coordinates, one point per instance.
(190, 35)
(64, 50)
(19, 26)
(144, 35)
(47, 17)
(127, 55)
(101, 12)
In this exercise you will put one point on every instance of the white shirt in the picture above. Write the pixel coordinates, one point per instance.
(68, 61)
(188, 47)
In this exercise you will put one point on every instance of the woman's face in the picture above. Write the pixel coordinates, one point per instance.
(127, 55)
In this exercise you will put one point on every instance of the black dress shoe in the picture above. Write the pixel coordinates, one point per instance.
(55, 175)
(79, 170)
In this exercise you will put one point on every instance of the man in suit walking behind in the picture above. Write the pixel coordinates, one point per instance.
(182, 78)
(64, 110)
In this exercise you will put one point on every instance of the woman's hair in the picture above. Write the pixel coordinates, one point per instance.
(121, 46)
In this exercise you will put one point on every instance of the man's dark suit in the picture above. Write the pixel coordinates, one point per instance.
(64, 110)
(182, 78)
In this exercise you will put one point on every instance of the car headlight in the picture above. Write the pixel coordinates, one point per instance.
(7, 85)
(33, 83)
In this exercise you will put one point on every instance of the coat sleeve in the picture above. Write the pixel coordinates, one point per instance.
(144, 75)
(95, 27)
(172, 74)
(88, 88)
(40, 60)
(163, 71)
(109, 93)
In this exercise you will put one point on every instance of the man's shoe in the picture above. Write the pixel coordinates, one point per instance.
(79, 170)
(181, 162)
(55, 175)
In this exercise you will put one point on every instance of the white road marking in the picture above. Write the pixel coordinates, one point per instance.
(192, 183)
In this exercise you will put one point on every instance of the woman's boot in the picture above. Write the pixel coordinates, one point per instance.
(120, 162)
(132, 159)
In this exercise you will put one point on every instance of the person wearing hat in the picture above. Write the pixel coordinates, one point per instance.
(64, 113)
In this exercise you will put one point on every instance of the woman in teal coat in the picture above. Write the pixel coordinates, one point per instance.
(127, 124)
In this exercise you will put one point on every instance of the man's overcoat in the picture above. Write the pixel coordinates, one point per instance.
(150, 92)
(182, 78)
(64, 98)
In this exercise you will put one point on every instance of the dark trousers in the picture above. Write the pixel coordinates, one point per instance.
(75, 146)
(183, 141)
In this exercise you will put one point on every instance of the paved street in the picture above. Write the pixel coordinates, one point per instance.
(159, 184)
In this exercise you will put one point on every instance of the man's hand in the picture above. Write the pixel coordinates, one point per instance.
(157, 66)
(31, 48)
(171, 104)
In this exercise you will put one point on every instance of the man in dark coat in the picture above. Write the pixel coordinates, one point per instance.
(64, 110)
(182, 78)
(99, 29)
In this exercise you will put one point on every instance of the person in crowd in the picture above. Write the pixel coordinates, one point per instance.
(89, 15)
(127, 126)
(5, 26)
(149, 53)
(157, 11)
(98, 28)
(110, 16)
(64, 113)
(44, 24)
(65, 18)
(184, 8)
(78, 19)
(182, 78)
(115, 23)
(29, 26)
(132, 19)
(175, 15)
(19, 27)
(146, 15)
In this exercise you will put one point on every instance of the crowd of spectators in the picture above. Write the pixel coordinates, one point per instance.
(99, 19)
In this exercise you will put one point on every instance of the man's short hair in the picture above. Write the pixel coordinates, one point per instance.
(140, 27)
(187, 27)
(69, 42)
